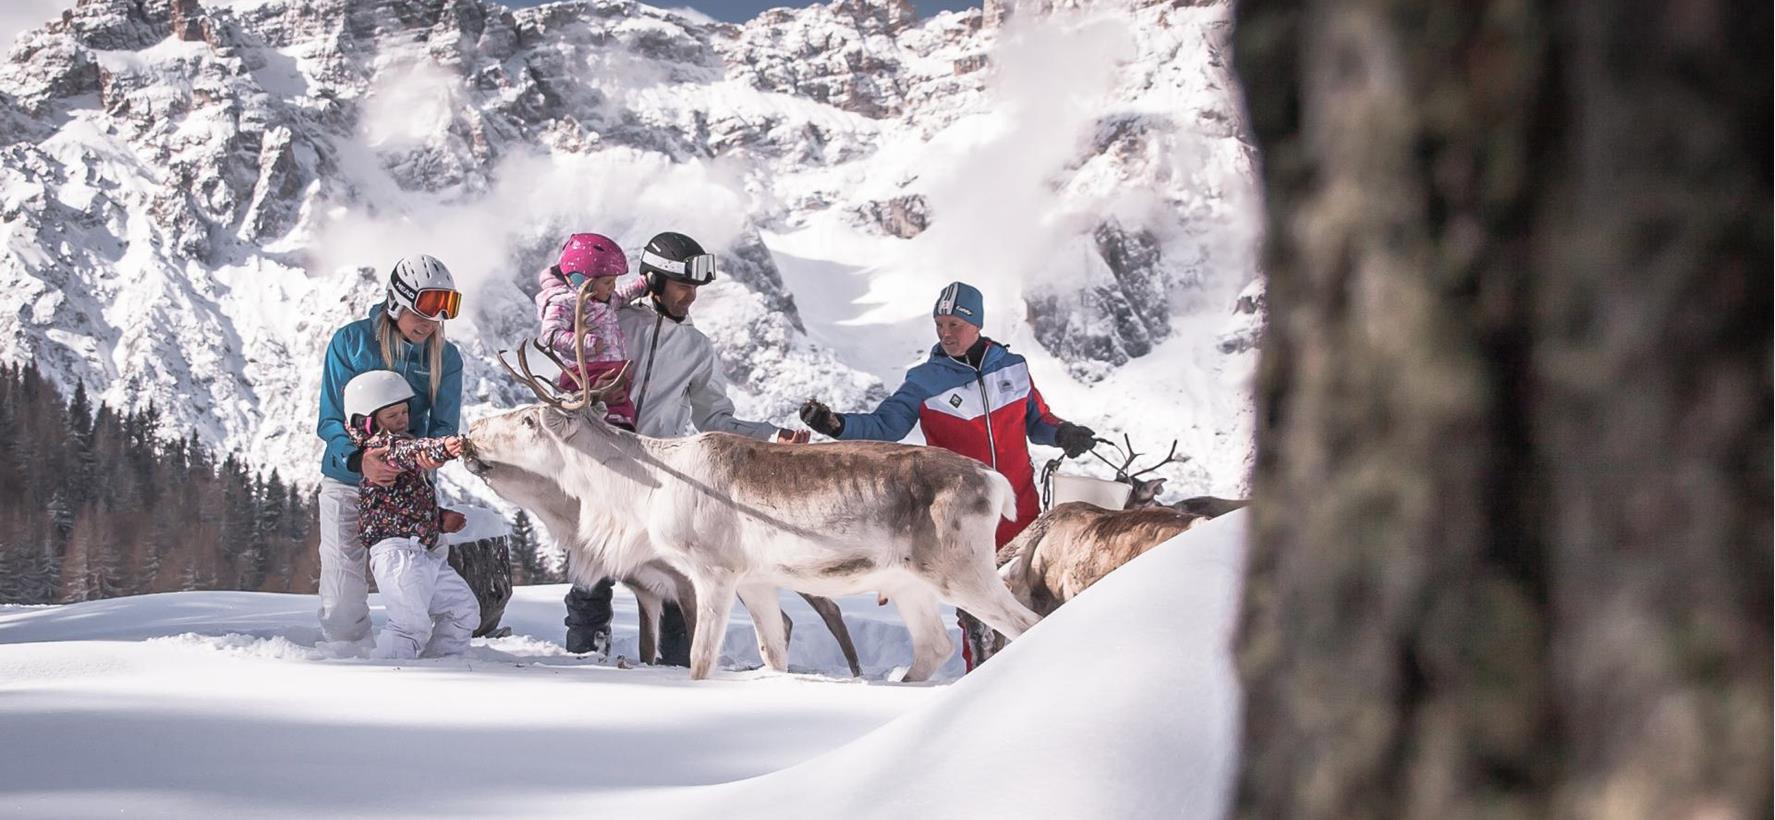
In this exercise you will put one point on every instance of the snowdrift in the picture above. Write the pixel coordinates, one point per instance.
(1121, 705)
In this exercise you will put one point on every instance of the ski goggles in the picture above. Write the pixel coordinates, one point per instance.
(437, 303)
(696, 270)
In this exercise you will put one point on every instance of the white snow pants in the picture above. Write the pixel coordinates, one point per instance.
(431, 611)
(344, 565)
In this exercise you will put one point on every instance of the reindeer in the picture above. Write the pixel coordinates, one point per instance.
(652, 583)
(1208, 506)
(1146, 492)
(742, 517)
(1074, 545)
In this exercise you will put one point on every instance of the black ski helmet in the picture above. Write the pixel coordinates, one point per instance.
(672, 255)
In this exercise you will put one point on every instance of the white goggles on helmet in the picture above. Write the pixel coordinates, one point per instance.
(696, 270)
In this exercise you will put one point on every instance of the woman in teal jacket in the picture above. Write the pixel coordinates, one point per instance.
(404, 334)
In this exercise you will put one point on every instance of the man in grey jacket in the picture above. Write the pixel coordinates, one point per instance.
(676, 384)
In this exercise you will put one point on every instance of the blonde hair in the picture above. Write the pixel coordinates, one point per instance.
(386, 334)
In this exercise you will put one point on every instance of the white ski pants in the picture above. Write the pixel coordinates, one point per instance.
(431, 611)
(344, 565)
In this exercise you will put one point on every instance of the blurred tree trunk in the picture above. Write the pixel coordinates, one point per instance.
(1511, 546)
(486, 565)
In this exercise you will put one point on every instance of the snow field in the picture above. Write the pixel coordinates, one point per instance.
(1122, 705)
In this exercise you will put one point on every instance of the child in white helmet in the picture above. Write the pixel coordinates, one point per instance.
(431, 610)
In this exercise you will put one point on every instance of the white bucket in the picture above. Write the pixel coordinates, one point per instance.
(1110, 495)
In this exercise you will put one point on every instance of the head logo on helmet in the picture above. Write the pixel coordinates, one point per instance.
(676, 257)
(420, 283)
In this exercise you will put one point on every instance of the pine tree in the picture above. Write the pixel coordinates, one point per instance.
(77, 570)
(191, 577)
(12, 468)
(197, 460)
(11, 574)
(278, 546)
(82, 461)
(525, 566)
(149, 569)
(240, 526)
(296, 516)
(37, 572)
(109, 576)
(79, 411)
(61, 513)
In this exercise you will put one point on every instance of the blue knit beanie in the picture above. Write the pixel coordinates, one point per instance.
(963, 300)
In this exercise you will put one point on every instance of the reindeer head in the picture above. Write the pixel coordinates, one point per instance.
(525, 440)
(1146, 492)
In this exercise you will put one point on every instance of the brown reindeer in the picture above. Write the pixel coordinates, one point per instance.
(1074, 545)
(1065, 551)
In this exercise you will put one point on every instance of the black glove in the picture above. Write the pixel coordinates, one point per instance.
(1075, 439)
(820, 418)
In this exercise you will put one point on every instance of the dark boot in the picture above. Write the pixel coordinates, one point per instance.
(588, 618)
(674, 640)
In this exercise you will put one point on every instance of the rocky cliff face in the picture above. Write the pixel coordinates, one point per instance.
(196, 194)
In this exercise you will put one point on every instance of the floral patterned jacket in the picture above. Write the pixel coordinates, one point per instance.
(408, 508)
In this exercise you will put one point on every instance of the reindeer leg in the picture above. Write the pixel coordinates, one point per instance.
(930, 639)
(767, 620)
(714, 600)
(973, 584)
(647, 605)
(985, 597)
(835, 624)
(685, 598)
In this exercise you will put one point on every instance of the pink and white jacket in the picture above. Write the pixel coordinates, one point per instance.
(603, 339)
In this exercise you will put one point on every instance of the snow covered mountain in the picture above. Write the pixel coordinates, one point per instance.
(195, 193)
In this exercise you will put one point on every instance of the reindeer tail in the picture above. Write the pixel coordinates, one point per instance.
(1007, 497)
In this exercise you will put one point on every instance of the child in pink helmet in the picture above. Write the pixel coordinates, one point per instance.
(598, 259)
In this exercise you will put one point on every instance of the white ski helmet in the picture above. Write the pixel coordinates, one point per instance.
(371, 391)
(420, 283)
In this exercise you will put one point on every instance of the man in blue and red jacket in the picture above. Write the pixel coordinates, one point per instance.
(974, 397)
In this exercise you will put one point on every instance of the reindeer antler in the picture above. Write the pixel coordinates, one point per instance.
(1126, 452)
(536, 383)
(1129, 454)
(1169, 457)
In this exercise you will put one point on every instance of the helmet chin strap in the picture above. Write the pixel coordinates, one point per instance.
(659, 304)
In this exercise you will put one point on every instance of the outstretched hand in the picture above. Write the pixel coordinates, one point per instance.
(453, 445)
(820, 418)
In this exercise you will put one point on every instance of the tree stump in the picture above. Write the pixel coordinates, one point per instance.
(481, 554)
(486, 564)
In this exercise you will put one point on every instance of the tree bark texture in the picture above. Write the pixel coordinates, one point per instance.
(486, 565)
(1511, 541)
